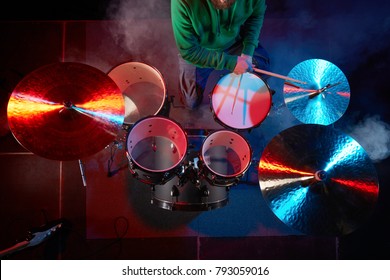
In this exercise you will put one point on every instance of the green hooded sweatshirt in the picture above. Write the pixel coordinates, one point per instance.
(202, 33)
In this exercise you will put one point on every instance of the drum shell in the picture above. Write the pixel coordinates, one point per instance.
(165, 128)
(225, 140)
(143, 88)
(190, 196)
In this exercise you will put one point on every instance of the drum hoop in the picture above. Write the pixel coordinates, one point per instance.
(163, 83)
(232, 127)
(236, 175)
(130, 157)
(185, 206)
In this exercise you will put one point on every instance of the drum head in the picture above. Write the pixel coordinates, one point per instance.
(143, 89)
(226, 154)
(156, 144)
(244, 107)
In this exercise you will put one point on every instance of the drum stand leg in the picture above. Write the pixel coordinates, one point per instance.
(81, 164)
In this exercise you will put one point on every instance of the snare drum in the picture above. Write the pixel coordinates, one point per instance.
(155, 147)
(189, 197)
(225, 157)
(143, 89)
(241, 102)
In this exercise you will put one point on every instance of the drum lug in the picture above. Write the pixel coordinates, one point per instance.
(135, 174)
(175, 191)
(131, 169)
(205, 192)
(237, 181)
(166, 175)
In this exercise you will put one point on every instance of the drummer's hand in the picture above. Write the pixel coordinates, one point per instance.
(248, 58)
(242, 65)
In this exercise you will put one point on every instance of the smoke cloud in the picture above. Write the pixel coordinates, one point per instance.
(141, 27)
(373, 135)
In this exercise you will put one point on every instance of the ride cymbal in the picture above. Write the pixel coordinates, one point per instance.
(318, 180)
(325, 96)
(65, 111)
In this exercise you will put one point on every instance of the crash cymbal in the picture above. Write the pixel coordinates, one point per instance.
(318, 180)
(325, 96)
(65, 111)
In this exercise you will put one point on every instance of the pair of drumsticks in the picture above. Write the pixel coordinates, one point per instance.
(266, 73)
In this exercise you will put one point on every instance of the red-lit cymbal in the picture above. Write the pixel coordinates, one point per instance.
(65, 111)
(318, 180)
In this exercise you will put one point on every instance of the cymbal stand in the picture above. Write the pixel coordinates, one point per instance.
(82, 171)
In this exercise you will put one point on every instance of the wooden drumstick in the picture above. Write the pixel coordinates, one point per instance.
(235, 97)
(278, 76)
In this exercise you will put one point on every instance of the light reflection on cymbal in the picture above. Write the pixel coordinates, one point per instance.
(325, 97)
(65, 111)
(318, 180)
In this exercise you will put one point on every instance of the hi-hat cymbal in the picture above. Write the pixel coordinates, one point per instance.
(318, 180)
(325, 96)
(65, 111)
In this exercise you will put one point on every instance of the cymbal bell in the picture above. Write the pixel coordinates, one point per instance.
(325, 96)
(318, 180)
(65, 111)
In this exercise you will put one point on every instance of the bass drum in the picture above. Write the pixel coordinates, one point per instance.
(143, 89)
(240, 102)
(156, 147)
(225, 157)
(189, 196)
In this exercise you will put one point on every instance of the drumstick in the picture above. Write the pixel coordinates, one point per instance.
(235, 97)
(278, 76)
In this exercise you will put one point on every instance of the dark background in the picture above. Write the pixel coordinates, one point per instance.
(352, 34)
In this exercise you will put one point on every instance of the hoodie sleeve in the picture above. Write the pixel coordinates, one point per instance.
(252, 27)
(188, 43)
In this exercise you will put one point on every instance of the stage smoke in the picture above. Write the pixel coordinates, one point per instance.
(141, 27)
(373, 135)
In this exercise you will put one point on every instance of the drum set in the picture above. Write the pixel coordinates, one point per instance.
(52, 109)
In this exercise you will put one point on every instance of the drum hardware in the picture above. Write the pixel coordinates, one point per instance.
(323, 89)
(188, 190)
(190, 173)
(175, 191)
(82, 171)
(204, 190)
(318, 180)
(117, 144)
(304, 101)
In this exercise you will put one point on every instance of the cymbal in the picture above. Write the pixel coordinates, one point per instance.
(318, 180)
(325, 96)
(65, 111)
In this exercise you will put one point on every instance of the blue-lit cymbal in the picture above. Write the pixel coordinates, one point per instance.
(325, 96)
(318, 180)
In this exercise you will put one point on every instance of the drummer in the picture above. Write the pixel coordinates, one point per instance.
(216, 35)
